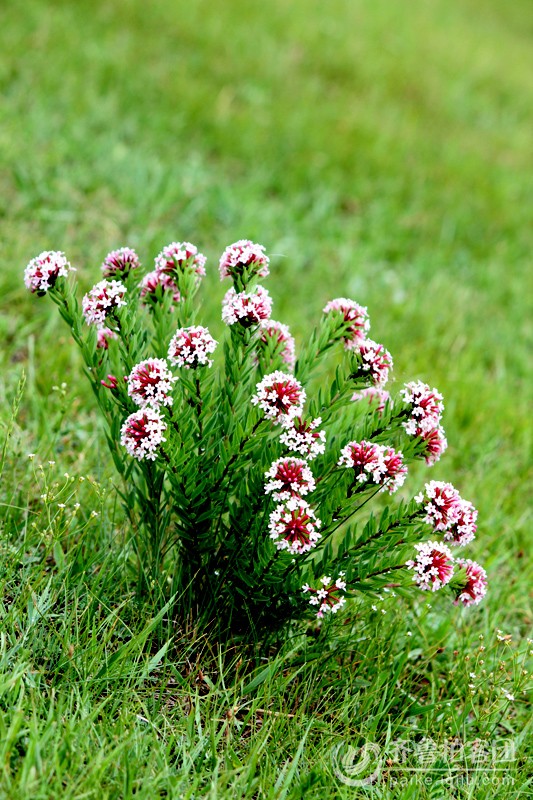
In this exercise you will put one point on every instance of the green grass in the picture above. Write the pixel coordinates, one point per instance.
(380, 151)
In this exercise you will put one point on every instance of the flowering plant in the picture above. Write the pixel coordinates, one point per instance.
(262, 506)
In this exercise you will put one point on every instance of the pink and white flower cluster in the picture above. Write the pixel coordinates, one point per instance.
(353, 326)
(142, 433)
(242, 256)
(104, 298)
(150, 383)
(174, 259)
(153, 280)
(191, 347)
(374, 463)
(294, 526)
(355, 323)
(289, 477)
(376, 362)
(293, 523)
(179, 256)
(43, 271)
(301, 436)
(278, 336)
(426, 407)
(446, 511)
(327, 597)
(246, 309)
(424, 422)
(120, 262)
(435, 443)
(243, 261)
(475, 588)
(280, 396)
(434, 567)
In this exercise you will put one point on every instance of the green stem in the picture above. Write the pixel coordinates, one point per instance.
(199, 405)
(358, 545)
(236, 455)
(384, 571)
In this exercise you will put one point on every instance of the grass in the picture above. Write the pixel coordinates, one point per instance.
(380, 151)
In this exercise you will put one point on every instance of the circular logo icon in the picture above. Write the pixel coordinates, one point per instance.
(356, 766)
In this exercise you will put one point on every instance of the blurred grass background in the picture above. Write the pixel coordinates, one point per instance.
(379, 150)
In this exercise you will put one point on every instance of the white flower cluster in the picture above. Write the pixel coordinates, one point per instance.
(150, 383)
(103, 298)
(293, 523)
(152, 280)
(246, 309)
(376, 361)
(327, 597)
(191, 347)
(242, 254)
(476, 586)
(294, 526)
(279, 396)
(180, 255)
(375, 463)
(301, 436)
(142, 433)
(289, 477)
(426, 408)
(175, 258)
(355, 322)
(352, 325)
(447, 511)
(433, 566)
(280, 335)
(120, 262)
(43, 271)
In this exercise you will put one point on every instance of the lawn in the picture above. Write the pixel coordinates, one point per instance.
(380, 151)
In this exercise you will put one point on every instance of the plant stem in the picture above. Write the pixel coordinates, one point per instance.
(405, 520)
(236, 455)
(384, 571)
(199, 410)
